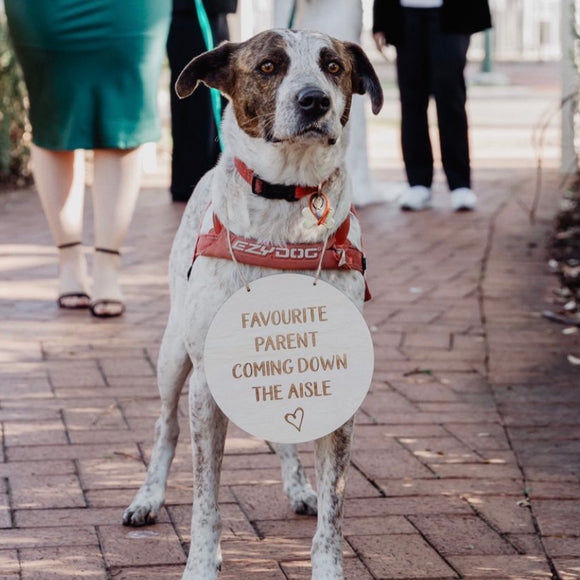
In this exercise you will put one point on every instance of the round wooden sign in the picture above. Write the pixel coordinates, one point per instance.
(290, 360)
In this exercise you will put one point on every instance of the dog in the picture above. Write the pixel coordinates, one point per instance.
(285, 129)
(341, 19)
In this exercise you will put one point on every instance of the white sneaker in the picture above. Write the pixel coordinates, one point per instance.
(415, 198)
(463, 199)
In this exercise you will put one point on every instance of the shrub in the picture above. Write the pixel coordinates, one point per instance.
(564, 244)
(14, 123)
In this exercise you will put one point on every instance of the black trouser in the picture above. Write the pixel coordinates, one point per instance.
(195, 143)
(432, 63)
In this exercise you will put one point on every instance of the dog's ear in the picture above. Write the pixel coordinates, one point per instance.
(365, 78)
(211, 68)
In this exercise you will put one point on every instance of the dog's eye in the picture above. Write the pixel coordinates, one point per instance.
(333, 67)
(267, 67)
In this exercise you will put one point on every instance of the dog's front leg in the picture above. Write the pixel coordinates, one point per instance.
(332, 459)
(208, 433)
(296, 484)
(172, 369)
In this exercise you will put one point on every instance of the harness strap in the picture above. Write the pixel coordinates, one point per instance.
(340, 236)
(340, 254)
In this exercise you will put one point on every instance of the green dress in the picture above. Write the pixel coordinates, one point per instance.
(91, 68)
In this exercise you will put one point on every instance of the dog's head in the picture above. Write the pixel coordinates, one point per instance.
(287, 85)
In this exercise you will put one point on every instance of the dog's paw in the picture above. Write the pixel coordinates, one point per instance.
(305, 504)
(140, 515)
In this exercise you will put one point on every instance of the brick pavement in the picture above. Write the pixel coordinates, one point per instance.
(465, 462)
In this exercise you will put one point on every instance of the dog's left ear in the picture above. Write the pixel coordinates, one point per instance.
(211, 68)
(364, 77)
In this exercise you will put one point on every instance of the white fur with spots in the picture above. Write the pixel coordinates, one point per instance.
(292, 157)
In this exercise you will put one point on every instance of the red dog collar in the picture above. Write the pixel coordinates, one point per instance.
(272, 190)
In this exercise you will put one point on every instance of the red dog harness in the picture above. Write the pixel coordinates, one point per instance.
(339, 254)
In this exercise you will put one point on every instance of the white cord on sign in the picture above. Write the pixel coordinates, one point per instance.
(319, 269)
(234, 260)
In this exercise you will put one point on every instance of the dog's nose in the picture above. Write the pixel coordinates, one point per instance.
(313, 101)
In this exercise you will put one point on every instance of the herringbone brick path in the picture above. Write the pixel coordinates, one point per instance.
(467, 449)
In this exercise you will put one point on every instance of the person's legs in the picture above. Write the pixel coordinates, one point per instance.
(60, 180)
(116, 183)
(195, 146)
(449, 53)
(413, 80)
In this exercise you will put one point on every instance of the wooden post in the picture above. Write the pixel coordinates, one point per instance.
(569, 161)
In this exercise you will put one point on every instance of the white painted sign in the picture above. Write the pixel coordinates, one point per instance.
(290, 360)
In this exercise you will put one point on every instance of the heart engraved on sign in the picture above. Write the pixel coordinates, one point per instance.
(295, 419)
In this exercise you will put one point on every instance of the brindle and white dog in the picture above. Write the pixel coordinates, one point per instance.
(287, 124)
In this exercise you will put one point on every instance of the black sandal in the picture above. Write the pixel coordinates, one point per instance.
(96, 304)
(83, 300)
(105, 302)
(108, 251)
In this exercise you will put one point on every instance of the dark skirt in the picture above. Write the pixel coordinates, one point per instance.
(91, 68)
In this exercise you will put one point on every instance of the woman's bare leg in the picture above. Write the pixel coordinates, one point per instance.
(60, 181)
(116, 183)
